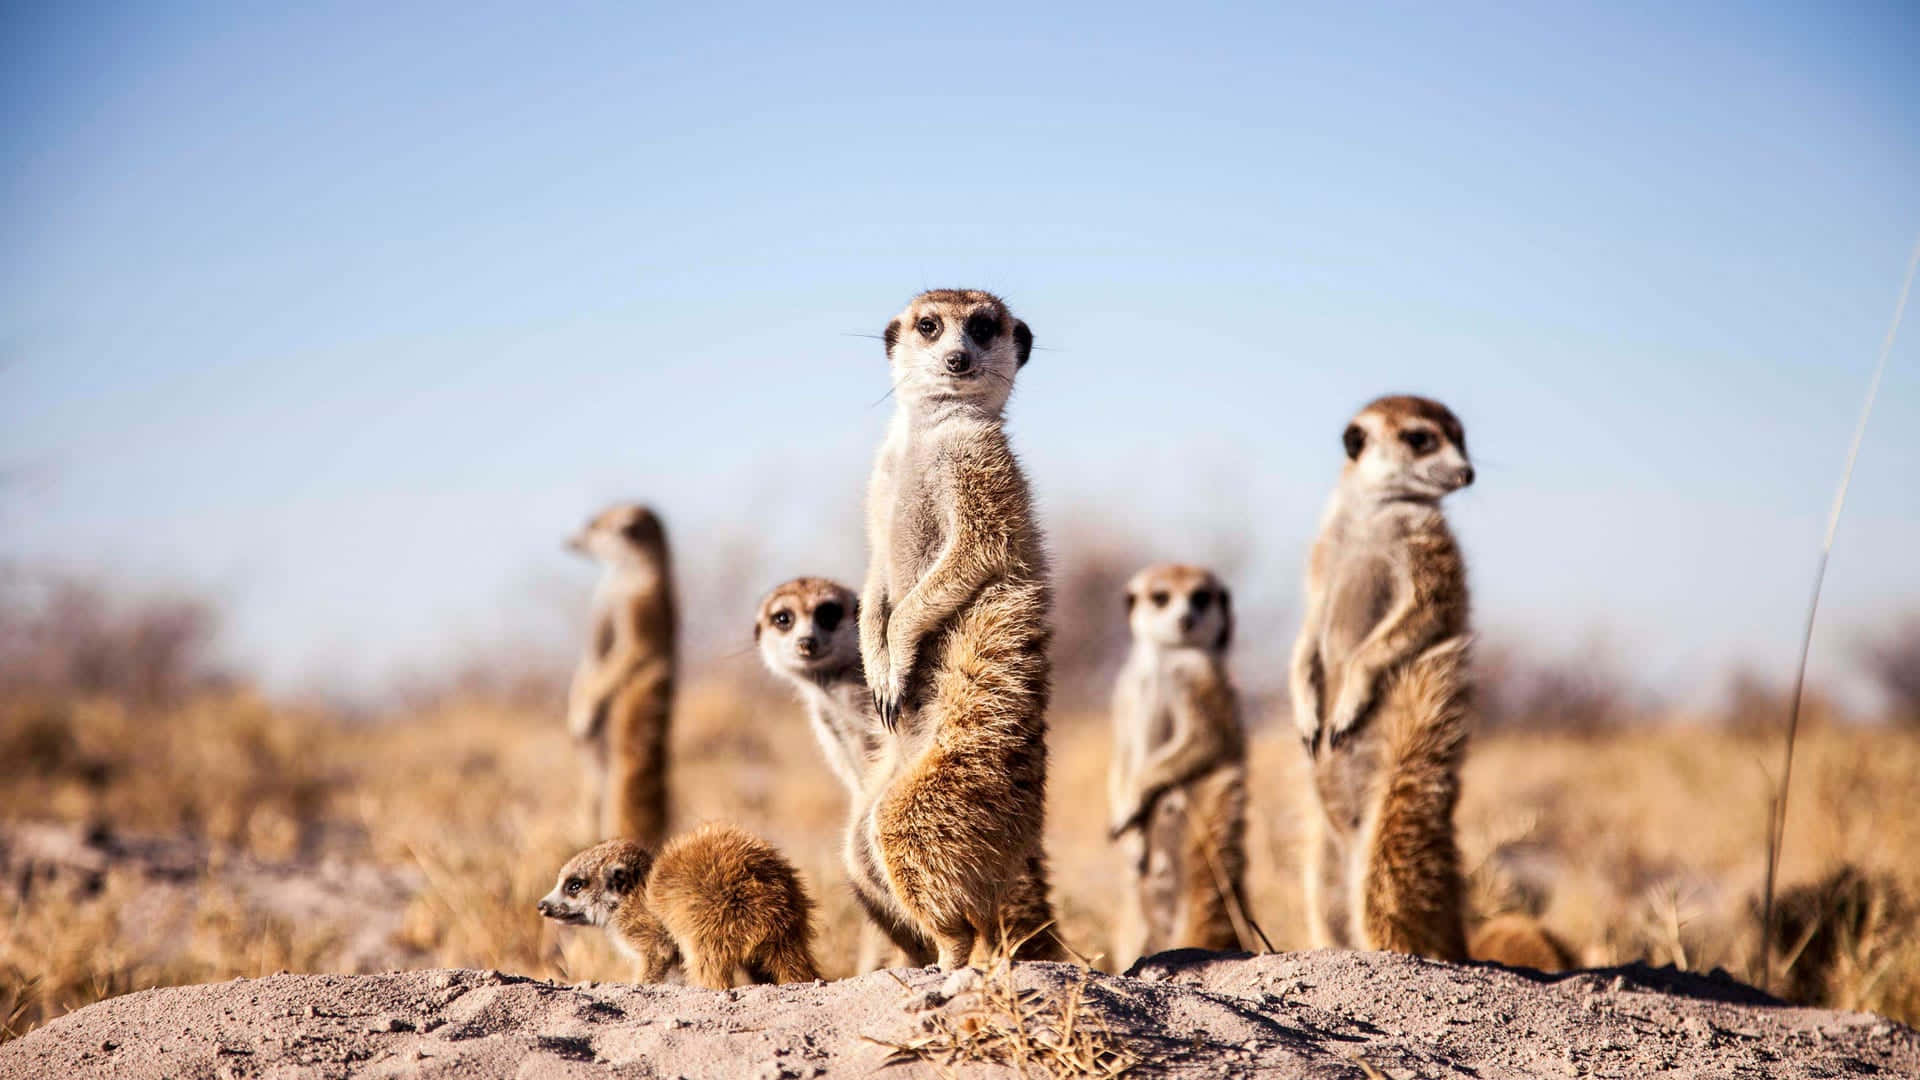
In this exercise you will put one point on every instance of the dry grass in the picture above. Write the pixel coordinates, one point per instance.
(1647, 844)
(1031, 1031)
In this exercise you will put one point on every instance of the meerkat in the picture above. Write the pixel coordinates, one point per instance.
(808, 634)
(622, 694)
(717, 900)
(954, 632)
(1177, 785)
(1522, 941)
(1380, 687)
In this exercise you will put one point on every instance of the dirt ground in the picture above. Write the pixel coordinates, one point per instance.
(1318, 1014)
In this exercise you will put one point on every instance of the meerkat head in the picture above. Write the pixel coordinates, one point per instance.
(1176, 606)
(620, 534)
(957, 345)
(1406, 447)
(594, 883)
(809, 626)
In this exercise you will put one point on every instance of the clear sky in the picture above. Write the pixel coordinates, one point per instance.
(348, 313)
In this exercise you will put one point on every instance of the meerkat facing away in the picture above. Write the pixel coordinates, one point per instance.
(1177, 785)
(808, 634)
(954, 631)
(718, 900)
(619, 705)
(1380, 687)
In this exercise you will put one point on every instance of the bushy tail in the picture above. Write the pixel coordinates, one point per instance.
(1411, 895)
(1520, 941)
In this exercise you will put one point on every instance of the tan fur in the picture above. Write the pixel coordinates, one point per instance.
(717, 900)
(621, 700)
(817, 652)
(1178, 775)
(954, 633)
(1381, 688)
(1520, 941)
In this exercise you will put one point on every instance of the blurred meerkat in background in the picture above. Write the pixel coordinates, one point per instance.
(1380, 687)
(719, 900)
(620, 703)
(1177, 784)
(808, 634)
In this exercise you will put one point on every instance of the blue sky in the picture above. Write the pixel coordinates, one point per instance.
(346, 314)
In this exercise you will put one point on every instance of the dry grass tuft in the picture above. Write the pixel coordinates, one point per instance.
(1031, 1031)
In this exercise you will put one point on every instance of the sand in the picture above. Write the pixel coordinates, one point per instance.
(1316, 1014)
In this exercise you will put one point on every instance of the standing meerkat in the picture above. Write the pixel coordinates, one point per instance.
(622, 695)
(717, 899)
(1380, 687)
(1177, 786)
(808, 634)
(954, 631)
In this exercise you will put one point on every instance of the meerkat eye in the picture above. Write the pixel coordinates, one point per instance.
(574, 885)
(782, 619)
(928, 326)
(1201, 600)
(827, 616)
(1421, 441)
(983, 328)
(1161, 597)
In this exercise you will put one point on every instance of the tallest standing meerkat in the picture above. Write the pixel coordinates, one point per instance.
(1380, 687)
(954, 630)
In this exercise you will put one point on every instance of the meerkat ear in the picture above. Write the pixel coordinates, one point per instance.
(1356, 439)
(620, 880)
(892, 336)
(756, 630)
(1022, 343)
(1226, 621)
(643, 528)
(1128, 597)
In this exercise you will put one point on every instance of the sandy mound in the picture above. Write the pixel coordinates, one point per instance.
(1304, 1014)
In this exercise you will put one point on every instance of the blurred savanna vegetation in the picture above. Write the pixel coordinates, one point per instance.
(163, 822)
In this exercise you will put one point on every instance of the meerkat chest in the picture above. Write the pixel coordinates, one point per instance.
(918, 518)
(1361, 587)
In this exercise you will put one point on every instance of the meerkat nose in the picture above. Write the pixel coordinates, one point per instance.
(958, 361)
(1466, 475)
(545, 907)
(805, 646)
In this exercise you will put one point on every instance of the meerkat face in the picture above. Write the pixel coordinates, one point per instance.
(1177, 606)
(1407, 447)
(957, 345)
(809, 626)
(619, 534)
(594, 883)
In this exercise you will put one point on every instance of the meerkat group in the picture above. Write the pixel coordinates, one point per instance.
(927, 693)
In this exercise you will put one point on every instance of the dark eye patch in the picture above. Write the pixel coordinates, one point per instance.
(1201, 601)
(983, 327)
(1355, 440)
(827, 616)
(1420, 441)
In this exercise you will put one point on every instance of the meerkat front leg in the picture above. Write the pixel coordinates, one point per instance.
(1409, 627)
(1193, 746)
(584, 714)
(1302, 692)
(940, 592)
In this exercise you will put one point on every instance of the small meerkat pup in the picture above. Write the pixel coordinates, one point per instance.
(1177, 785)
(718, 899)
(622, 694)
(808, 634)
(1380, 687)
(954, 631)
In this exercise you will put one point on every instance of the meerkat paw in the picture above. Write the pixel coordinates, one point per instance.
(1345, 718)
